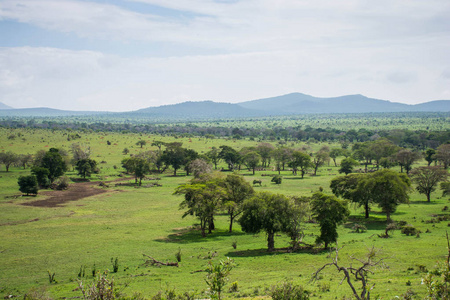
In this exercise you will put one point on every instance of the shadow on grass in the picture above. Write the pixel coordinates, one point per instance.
(278, 251)
(424, 202)
(193, 235)
(372, 223)
(293, 178)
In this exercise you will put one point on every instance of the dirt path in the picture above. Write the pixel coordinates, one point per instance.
(76, 191)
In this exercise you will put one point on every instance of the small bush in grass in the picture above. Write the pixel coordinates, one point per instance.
(115, 264)
(37, 294)
(409, 229)
(289, 291)
(359, 228)
(277, 179)
(60, 184)
(178, 255)
(234, 244)
(234, 287)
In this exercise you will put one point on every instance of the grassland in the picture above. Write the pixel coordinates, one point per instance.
(126, 222)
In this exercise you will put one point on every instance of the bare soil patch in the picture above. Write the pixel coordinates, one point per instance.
(76, 191)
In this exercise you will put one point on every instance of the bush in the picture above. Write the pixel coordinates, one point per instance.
(277, 179)
(28, 184)
(289, 291)
(409, 229)
(61, 183)
(359, 228)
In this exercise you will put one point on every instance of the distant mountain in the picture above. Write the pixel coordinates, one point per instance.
(290, 104)
(202, 110)
(44, 112)
(4, 106)
(297, 103)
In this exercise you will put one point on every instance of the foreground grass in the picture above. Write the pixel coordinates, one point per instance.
(127, 222)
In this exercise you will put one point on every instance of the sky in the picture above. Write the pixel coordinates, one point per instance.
(123, 55)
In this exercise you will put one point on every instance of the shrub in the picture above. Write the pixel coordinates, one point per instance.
(359, 228)
(115, 264)
(178, 255)
(61, 183)
(289, 291)
(234, 287)
(277, 179)
(409, 229)
(28, 184)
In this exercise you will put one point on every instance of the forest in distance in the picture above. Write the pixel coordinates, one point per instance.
(306, 207)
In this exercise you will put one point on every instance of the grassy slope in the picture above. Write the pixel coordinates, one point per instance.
(127, 222)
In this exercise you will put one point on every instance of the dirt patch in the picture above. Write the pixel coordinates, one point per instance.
(76, 191)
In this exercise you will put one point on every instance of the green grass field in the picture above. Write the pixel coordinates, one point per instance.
(126, 222)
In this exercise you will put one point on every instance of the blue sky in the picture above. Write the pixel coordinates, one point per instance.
(121, 55)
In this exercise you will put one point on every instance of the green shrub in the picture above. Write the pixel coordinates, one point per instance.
(289, 291)
(409, 229)
(277, 179)
(359, 228)
(28, 184)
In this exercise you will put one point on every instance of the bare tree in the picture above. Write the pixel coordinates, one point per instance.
(354, 274)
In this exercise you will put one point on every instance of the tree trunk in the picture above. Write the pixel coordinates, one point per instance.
(253, 171)
(303, 173)
(174, 172)
(231, 222)
(270, 241)
(388, 216)
(366, 207)
(428, 197)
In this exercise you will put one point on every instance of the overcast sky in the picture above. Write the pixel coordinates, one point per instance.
(121, 55)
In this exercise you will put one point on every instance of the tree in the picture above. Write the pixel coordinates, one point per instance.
(350, 187)
(24, 160)
(406, 158)
(265, 151)
(364, 153)
(427, 179)
(79, 152)
(334, 153)
(141, 143)
(347, 165)
(382, 148)
(237, 190)
(267, 212)
(281, 156)
(445, 187)
(189, 156)
(175, 156)
(86, 167)
(199, 167)
(28, 184)
(388, 189)
(429, 156)
(55, 163)
(443, 155)
(251, 160)
(213, 155)
(8, 158)
(138, 166)
(230, 156)
(41, 176)
(329, 211)
(300, 160)
(217, 275)
(319, 160)
(202, 199)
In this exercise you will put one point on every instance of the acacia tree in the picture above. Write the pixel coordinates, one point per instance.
(443, 155)
(350, 187)
(237, 190)
(427, 179)
(406, 158)
(213, 155)
(138, 166)
(201, 199)
(230, 156)
(265, 151)
(281, 156)
(175, 156)
(319, 160)
(141, 143)
(329, 211)
(8, 158)
(347, 165)
(251, 160)
(267, 212)
(86, 167)
(387, 188)
(300, 160)
(429, 156)
(335, 153)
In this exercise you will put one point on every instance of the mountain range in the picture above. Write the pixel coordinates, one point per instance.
(290, 104)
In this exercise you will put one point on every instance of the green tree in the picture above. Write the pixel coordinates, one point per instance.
(213, 155)
(429, 156)
(443, 155)
(267, 212)
(363, 152)
(25, 160)
(388, 189)
(319, 160)
(189, 156)
(55, 163)
(329, 211)
(174, 156)
(300, 160)
(265, 152)
(251, 160)
(8, 158)
(86, 167)
(217, 276)
(350, 187)
(427, 179)
(281, 156)
(406, 158)
(141, 143)
(382, 148)
(203, 200)
(237, 190)
(230, 156)
(28, 184)
(41, 174)
(347, 165)
(335, 153)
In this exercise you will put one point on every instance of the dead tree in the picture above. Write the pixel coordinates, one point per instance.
(352, 274)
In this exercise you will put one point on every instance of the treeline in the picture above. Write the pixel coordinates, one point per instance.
(417, 139)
